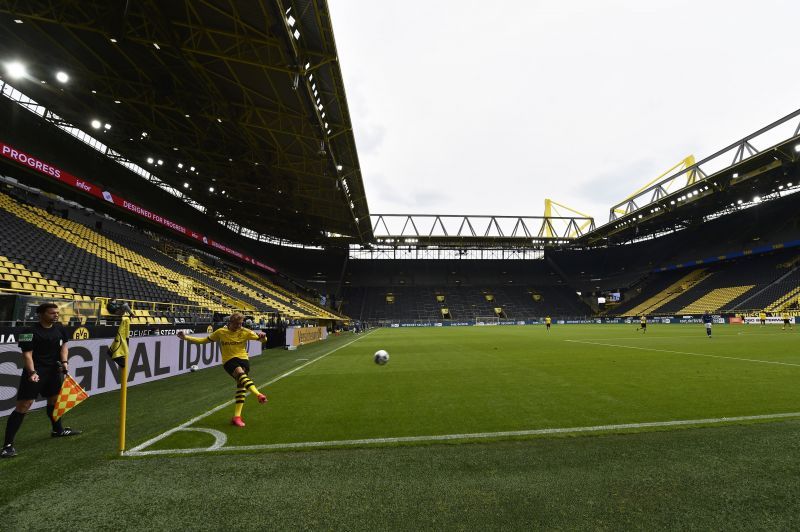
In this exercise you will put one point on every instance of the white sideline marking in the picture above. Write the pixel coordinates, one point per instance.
(684, 353)
(468, 436)
(299, 359)
(136, 451)
(702, 331)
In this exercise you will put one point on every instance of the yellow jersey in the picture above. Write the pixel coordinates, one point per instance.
(762, 316)
(642, 320)
(547, 321)
(232, 344)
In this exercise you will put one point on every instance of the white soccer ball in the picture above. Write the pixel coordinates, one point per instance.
(381, 357)
(193, 368)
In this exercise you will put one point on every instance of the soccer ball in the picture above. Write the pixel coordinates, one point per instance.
(193, 368)
(381, 357)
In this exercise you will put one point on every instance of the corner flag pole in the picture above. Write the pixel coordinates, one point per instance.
(123, 404)
(118, 351)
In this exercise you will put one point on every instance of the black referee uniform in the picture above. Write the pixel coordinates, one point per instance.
(45, 344)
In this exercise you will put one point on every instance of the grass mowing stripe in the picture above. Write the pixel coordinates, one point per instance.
(474, 436)
(685, 353)
(151, 441)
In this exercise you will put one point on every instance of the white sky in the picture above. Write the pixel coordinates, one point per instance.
(467, 107)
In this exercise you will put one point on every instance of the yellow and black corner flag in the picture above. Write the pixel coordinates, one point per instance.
(118, 350)
(70, 396)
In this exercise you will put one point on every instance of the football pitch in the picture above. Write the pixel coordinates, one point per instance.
(587, 426)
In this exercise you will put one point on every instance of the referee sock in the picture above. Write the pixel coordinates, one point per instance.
(57, 427)
(237, 410)
(245, 382)
(12, 426)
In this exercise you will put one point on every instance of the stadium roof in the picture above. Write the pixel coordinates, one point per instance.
(762, 166)
(249, 94)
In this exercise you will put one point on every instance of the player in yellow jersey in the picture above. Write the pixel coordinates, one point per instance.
(786, 320)
(762, 317)
(642, 324)
(232, 341)
(547, 322)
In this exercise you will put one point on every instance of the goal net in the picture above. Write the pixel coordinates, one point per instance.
(487, 320)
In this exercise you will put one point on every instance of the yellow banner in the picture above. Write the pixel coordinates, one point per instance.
(305, 335)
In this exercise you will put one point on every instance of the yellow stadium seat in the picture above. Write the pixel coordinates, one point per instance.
(9, 277)
(27, 286)
(16, 285)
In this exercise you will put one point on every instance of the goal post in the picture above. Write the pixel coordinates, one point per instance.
(487, 320)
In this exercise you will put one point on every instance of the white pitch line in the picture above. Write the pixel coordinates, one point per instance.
(702, 331)
(468, 436)
(135, 451)
(685, 353)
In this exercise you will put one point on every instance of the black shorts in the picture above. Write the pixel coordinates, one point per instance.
(643, 325)
(786, 322)
(548, 325)
(49, 384)
(231, 365)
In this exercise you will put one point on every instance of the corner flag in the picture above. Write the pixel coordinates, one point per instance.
(70, 396)
(118, 350)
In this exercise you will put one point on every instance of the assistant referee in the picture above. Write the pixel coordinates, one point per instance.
(44, 355)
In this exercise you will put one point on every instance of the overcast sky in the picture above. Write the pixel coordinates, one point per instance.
(466, 107)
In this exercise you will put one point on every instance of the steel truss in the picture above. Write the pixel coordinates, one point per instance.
(478, 230)
(725, 159)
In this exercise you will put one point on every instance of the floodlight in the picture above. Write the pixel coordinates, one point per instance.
(96, 124)
(62, 77)
(16, 70)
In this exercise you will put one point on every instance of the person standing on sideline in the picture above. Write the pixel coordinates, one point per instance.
(708, 320)
(232, 340)
(44, 356)
(547, 322)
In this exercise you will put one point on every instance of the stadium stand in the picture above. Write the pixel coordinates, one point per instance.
(408, 290)
(750, 282)
(77, 254)
(670, 292)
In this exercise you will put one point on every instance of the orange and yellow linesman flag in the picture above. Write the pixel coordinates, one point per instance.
(70, 396)
(118, 350)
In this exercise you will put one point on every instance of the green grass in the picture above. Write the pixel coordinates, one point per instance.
(476, 380)
(444, 381)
